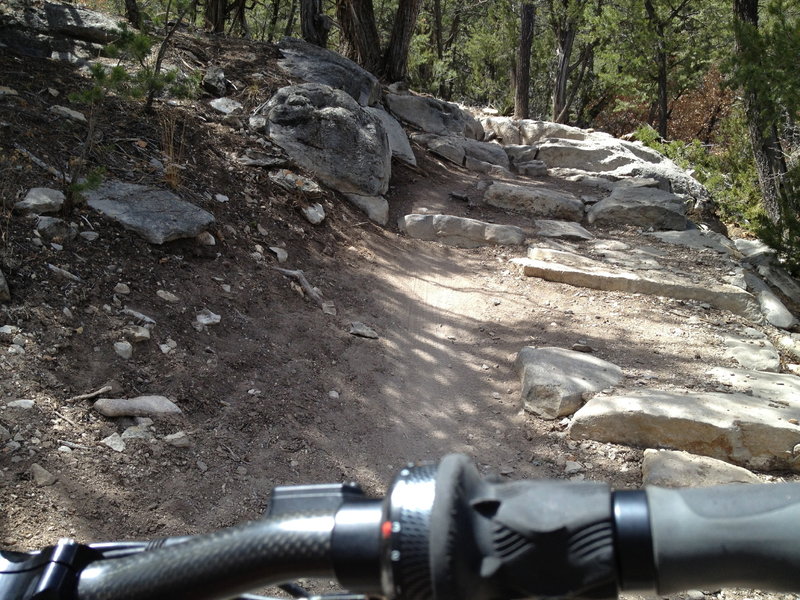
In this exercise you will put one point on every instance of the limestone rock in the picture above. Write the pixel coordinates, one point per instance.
(699, 240)
(772, 307)
(533, 168)
(485, 168)
(41, 476)
(314, 213)
(375, 207)
(63, 111)
(752, 349)
(779, 278)
(783, 390)
(556, 381)
(534, 200)
(433, 116)
(157, 215)
(123, 349)
(40, 201)
(644, 207)
(291, 181)
(141, 406)
(732, 427)
(398, 140)
(328, 133)
(755, 252)
(674, 468)
(576, 270)
(519, 154)
(359, 329)
(460, 231)
(561, 229)
(457, 149)
(55, 230)
(318, 65)
(226, 106)
(214, 81)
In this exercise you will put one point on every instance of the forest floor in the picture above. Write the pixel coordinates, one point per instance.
(257, 390)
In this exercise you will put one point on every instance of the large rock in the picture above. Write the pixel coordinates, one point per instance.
(318, 65)
(736, 428)
(535, 200)
(555, 381)
(157, 215)
(330, 135)
(375, 207)
(752, 349)
(398, 140)
(5, 293)
(573, 269)
(775, 387)
(43, 28)
(698, 239)
(461, 232)
(528, 131)
(40, 201)
(674, 468)
(561, 229)
(774, 310)
(779, 278)
(458, 149)
(433, 116)
(641, 206)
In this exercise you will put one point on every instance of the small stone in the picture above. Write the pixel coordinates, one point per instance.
(329, 308)
(226, 288)
(225, 105)
(280, 254)
(22, 404)
(123, 349)
(5, 434)
(333, 395)
(89, 236)
(167, 296)
(41, 200)
(169, 346)
(64, 449)
(137, 334)
(63, 111)
(122, 288)
(179, 439)
(221, 198)
(41, 476)
(141, 406)
(19, 340)
(114, 441)
(695, 595)
(361, 330)
(206, 239)
(206, 318)
(573, 467)
(56, 247)
(136, 432)
(496, 395)
(241, 471)
(203, 467)
(314, 213)
(582, 348)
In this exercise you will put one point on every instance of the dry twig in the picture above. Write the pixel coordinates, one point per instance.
(301, 279)
(102, 390)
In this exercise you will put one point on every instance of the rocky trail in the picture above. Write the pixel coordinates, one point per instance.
(349, 277)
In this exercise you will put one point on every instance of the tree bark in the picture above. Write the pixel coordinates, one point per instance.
(660, 58)
(522, 79)
(215, 15)
(314, 24)
(132, 13)
(767, 151)
(357, 20)
(395, 60)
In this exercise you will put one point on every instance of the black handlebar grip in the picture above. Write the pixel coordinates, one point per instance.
(735, 535)
(520, 539)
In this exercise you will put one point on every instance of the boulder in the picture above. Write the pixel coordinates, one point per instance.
(157, 215)
(433, 116)
(774, 310)
(733, 427)
(329, 134)
(375, 207)
(755, 252)
(535, 200)
(512, 131)
(533, 168)
(313, 64)
(698, 239)
(780, 279)
(460, 231)
(457, 149)
(398, 140)
(40, 201)
(555, 381)
(674, 468)
(640, 206)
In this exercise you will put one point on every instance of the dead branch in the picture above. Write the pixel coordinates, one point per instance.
(301, 279)
(102, 390)
(40, 163)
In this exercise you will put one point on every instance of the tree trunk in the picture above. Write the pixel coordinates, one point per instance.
(522, 79)
(289, 29)
(132, 13)
(273, 21)
(357, 20)
(660, 58)
(395, 60)
(215, 15)
(767, 151)
(314, 24)
(565, 38)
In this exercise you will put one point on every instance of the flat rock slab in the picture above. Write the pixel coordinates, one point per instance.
(752, 350)
(783, 390)
(755, 252)
(699, 240)
(141, 406)
(459, 149)
(318, 65)
(433, 116)
(535, 200)
(556, 381)
(641, 206)
(782, 280)
(774, 310)
(566, 230)
(580, 271)
(157, 215)
(733, 427)
(460, 231)
(40, 201)
(674, 468)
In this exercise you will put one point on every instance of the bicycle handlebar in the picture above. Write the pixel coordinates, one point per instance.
(446, 533)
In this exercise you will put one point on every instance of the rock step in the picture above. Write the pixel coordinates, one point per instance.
(737, 428)
(460, 231)
(674, 468)
(596, 275)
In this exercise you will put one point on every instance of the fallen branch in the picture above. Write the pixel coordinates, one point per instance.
(73, 445)
(102, 390)
(67, 419)
(301, 279)
(40, 163)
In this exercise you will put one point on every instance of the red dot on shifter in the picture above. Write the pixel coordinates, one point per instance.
(386, 529)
